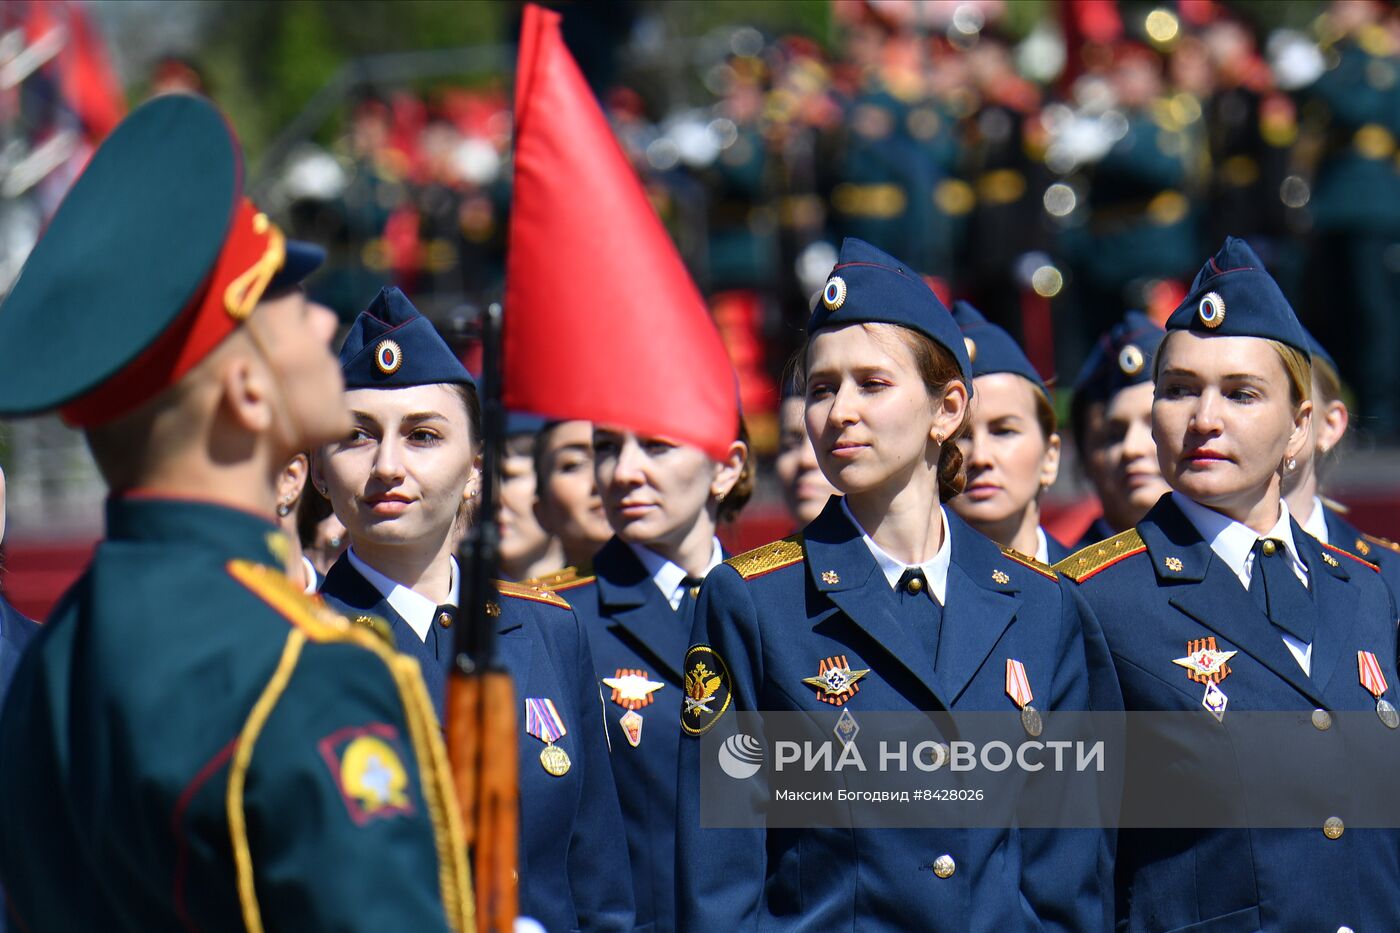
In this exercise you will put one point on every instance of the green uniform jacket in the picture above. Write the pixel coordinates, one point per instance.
(193, 744)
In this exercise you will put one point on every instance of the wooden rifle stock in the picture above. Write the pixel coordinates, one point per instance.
(481, 725)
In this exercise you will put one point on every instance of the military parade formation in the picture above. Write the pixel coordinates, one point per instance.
(373, 641)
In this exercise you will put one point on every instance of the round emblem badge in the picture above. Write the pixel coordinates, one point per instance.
(1131, 360)
(1212, 310)
(834, 295)
(971, 349)
(388, 357)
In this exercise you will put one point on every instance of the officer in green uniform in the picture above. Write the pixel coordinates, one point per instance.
(192, 742)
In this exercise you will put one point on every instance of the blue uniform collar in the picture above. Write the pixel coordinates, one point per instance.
(935, 569)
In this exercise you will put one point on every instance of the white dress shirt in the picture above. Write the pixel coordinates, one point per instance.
(935, 568)
(417, 610)
(1233, 542)
(669, 576)
(309, 569)
(1042, 546)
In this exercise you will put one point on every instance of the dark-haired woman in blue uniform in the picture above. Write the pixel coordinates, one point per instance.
(637, 601)
(403, 482)
(1219, 571)
(932, 614)
(1011, 449)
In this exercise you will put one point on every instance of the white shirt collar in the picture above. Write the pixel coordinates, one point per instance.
(417, 610)
(309, 569)
(669, 576)
(1042, 546)
(1233, 542)
(1316, 525)
(935, 568)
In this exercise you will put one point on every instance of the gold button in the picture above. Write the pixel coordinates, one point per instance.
(1333, 827)
(445, 619)
(1269, 547)
(915, 585)
(944, 866)
(1322, 720)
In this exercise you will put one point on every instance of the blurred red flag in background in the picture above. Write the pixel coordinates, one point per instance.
(602, 321)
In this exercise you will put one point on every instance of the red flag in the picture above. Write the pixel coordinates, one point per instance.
(602, 320)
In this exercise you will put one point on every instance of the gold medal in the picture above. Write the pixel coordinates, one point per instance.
(555, 760)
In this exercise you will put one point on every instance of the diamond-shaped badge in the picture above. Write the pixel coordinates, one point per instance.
(1215, 701)
(846, 727)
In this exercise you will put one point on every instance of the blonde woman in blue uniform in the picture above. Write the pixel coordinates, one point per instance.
(1011, 448)
(403, 482)
(888, 582)
(1302, 487)
(1217, 602)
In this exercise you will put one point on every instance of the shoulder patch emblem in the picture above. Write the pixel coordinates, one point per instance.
(367, 766)
(565, 579)
(1084, 563)
(1380, 542)
(378, 626)
(1345, 553)
(768, 558)
(707, 687)
(526, 591)
(307, 613)
(1025, 560)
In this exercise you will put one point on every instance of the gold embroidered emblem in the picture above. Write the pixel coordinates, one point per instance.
(1000, 577)
(1173, 564)
(830, 576)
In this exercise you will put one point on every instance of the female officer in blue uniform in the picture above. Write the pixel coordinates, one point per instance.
(1302, 487)
(932, 613)
(637, 601)
(402, 482)
(1011, 449)
(1110, 420)
(1219, 571)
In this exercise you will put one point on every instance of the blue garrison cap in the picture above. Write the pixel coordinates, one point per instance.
(392, 346)
(519, 422)
(1122, 357)
(1319, 352)
(991, 349)
(868, 286)
(1233, 296)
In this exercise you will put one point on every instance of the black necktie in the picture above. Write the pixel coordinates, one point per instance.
(685, 609)
(920, 610)
(1279, 593)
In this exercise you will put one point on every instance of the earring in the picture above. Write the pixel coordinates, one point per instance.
(938, 438)
(284, 509)
(1291, 464)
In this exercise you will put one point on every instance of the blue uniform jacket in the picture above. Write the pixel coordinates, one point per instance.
(573, 861)
(774, 627)
(632, 628)
(1159, 588)
(1384, 554)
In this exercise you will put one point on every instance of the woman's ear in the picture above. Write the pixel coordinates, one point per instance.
(1298, 437)
(728, 470)
(292, 480)
(1332, 423)
(1050, 463)
(951, 410)
(316, 468)
(473, 487)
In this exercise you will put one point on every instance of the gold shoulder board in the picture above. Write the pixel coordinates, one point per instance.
(308, 613)
(768, 558)
(1025, 560)
(565, 579)
(1360, 560)
(529, 591)
(1386, 543)
(1084, 563)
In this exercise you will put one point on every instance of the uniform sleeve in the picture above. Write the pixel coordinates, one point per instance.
(339, 829)
(720, 871)
(599, 874)
(1067, 874)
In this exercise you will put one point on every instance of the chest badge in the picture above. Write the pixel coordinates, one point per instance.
(707, 690)
(1206, 664)
(632, 689)
(835, 681)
